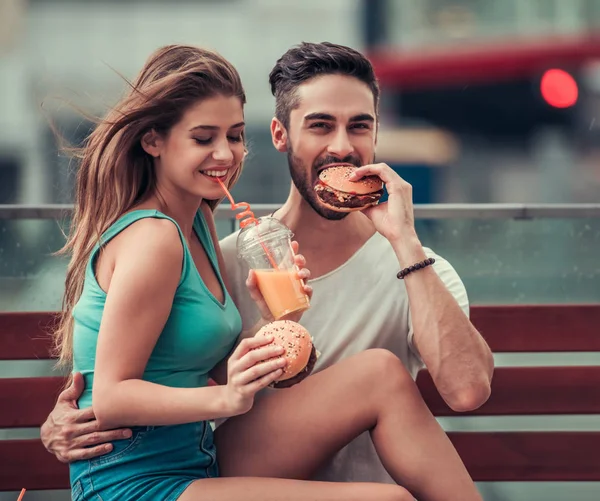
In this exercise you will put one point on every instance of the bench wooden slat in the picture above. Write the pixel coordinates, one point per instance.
(539, 328)
(510, 328)
(26, 402)
(489, 456)
(25, 463)
(515, 391)
(26, 335)
(528, 390)
(530, 456)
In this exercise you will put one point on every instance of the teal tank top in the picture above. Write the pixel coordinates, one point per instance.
(199, 332)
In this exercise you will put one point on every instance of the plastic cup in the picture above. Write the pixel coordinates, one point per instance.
(266, 247)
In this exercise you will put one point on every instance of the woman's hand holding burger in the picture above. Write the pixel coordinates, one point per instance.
(257, 297)
(255, 364)
(281, 354)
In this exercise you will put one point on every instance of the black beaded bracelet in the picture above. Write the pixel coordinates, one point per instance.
(402, 273)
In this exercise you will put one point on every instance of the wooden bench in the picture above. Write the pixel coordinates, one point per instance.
(489, 456)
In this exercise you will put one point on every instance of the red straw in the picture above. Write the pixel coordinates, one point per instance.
(22, 494)
(249, 219)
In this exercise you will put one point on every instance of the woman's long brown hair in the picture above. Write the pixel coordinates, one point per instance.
(115, 173)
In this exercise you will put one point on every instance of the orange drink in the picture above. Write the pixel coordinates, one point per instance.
(282, 290)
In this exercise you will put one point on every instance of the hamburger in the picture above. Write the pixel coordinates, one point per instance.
(300, 352)
(338, 193)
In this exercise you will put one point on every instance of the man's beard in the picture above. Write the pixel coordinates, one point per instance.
(301, 179)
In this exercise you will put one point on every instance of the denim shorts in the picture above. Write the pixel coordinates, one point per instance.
(156, 463)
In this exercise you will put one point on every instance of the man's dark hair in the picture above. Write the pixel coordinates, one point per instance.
(309, 60)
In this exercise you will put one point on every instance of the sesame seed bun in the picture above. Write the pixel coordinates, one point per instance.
(299, 349)
(337, 192)
(338, 178)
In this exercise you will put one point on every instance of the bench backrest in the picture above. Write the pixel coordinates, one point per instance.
(527, 391)
(489, 456)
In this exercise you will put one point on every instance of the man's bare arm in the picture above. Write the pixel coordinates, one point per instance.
(457, 357)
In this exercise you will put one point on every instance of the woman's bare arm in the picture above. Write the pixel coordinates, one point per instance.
(146, 275)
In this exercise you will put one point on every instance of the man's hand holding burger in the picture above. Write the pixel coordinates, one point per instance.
(395, 218)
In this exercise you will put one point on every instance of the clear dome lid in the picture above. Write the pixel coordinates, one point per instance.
(255, 236)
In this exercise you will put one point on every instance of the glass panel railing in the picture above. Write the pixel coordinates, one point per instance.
(31, 273)
(31, 276)
(550, 256)
(521, 261)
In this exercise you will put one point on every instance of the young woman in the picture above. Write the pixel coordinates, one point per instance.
(148, 319)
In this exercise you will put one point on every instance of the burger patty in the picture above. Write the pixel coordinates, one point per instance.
(348, 200)
(310, 365)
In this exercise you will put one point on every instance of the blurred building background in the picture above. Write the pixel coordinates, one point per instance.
(483, 101)
(462, 86)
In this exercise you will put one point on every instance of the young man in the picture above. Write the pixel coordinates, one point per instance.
(327, 101)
